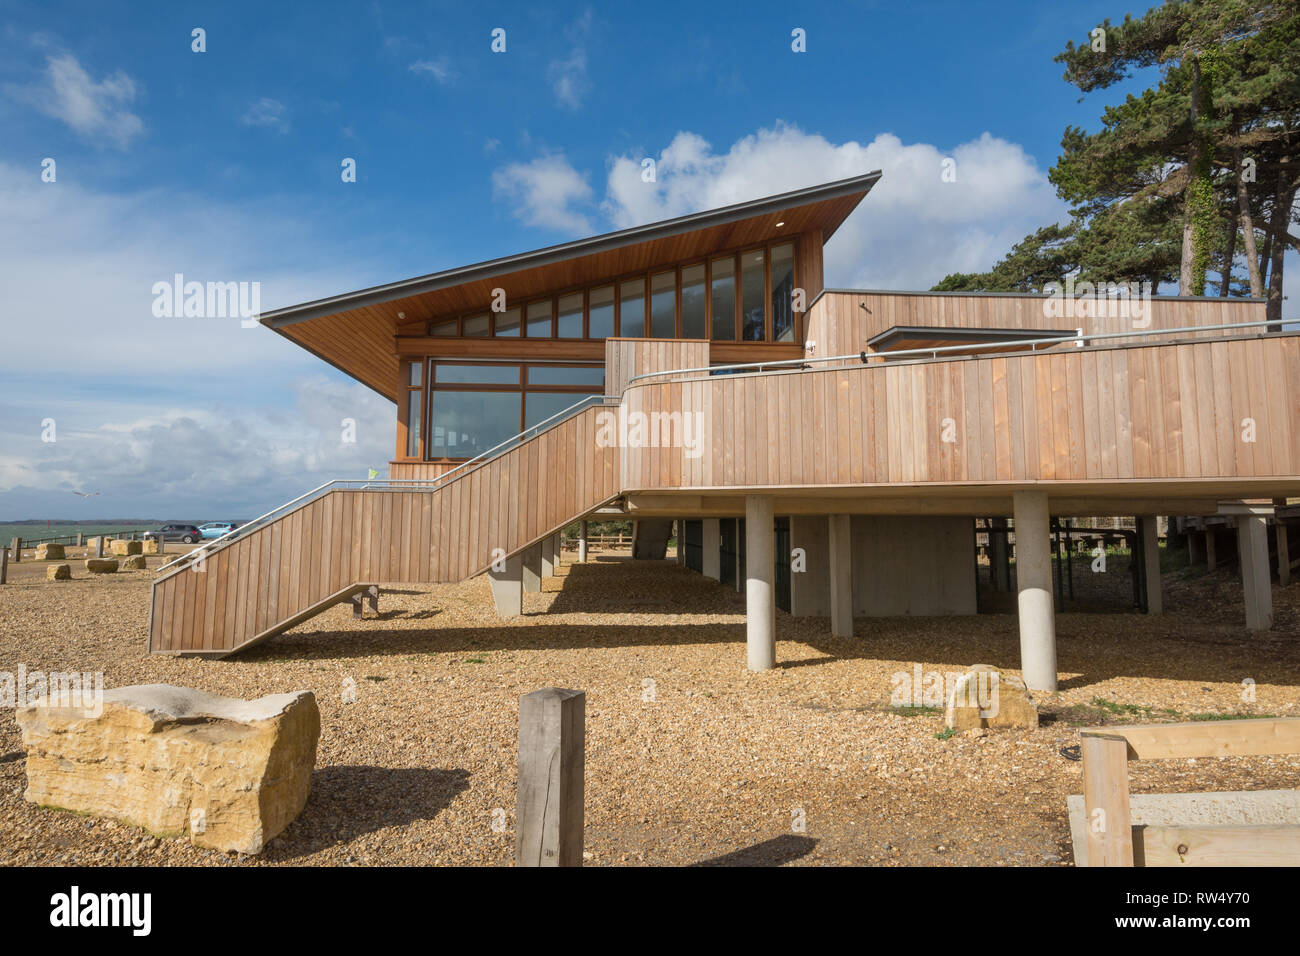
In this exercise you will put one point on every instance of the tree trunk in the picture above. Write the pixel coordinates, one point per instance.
(1248, 233)
(1283, 199)
(1225, 274)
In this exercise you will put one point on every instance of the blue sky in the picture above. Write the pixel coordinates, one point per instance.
(225, 166)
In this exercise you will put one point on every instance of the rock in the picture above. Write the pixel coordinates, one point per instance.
(121, 547)
(984, 696)
(49, 552)
(977, 732)
(150, 546)
(134, 563)
(58, 572)
(230, 773)
(101, 565)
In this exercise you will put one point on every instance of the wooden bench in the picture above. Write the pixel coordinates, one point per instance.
(1113, 840)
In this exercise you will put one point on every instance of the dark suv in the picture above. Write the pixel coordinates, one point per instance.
(187, 533)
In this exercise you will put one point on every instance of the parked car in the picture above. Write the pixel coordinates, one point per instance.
(187, 533)
(215, 529)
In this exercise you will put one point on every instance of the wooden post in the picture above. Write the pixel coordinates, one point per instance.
(1211, 560)
(81, 539)
(99, 546)
(1106, 815)
(1283, 547)
(549, 807)
(18, 550)
(4, 565)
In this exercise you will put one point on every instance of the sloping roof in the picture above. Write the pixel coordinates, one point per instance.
(354, 331)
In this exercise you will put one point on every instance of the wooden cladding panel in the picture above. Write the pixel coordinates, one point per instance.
(351, 536)
(1179, 410)
(841, 322)
(627, 358)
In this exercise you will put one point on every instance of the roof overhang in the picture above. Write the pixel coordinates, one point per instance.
(354, 331)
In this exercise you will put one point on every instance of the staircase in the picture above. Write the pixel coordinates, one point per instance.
(320, 549)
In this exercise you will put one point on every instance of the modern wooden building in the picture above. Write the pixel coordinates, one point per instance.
(697, 371)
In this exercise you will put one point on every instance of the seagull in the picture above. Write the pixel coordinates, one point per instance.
(86, 494)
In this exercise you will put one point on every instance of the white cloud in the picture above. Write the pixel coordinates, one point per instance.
(190, 461)
(910, 231)
(568, 75)
(439, 69)
(545, 191)
(269, 114)
(569, 78)
(99, 112)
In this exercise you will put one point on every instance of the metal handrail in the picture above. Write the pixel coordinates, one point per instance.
(430, 484)
(934, 351)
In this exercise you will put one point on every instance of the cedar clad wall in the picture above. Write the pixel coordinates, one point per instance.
(358, 536)
(627, 358)
(1128, 412)
(840, 323)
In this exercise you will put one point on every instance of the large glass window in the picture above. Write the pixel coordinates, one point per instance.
(663, 305)
(782, 293)
(477, 324)
(446, 327)
(508, 322)
(463, 424)
(723, 293)
(752, 312)
(600, 312)
(693, 302)
(566, 375)
(539, 319)
(631, 308)
(539, 406)
(471, 374)
(570, 326)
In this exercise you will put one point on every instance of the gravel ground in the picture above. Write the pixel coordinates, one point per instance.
(708, 765)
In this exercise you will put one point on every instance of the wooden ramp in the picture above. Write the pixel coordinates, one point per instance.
(283, 570)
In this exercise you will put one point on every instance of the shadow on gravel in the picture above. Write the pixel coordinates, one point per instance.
(348, 802)
(777, 851)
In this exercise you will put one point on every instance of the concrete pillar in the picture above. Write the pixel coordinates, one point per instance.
(810, 588)
(1034, 583)
(712, 548)
(546, 549)
(1151, 557)
(532, 569)
(1283, 548)
(999, 563)
(1252, 546)
(508, 587)
(840, 546)
(760, 567)
(582, 542)
(558, 551)
(1210, 561)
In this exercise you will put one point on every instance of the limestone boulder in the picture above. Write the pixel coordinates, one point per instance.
(49, 552)
(228, 774)
(986, 697)
(122, 548)
(150, 546)
(59, 572)
(101, 565)
(134, 563)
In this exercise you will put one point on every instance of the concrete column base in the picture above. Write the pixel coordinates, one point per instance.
(1034, 584)
(712, 548)
(508, 587)
(582, 542)
(760, 573)
(532, 569)
(1252, 546)
(1151, 556)
(840, 548)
